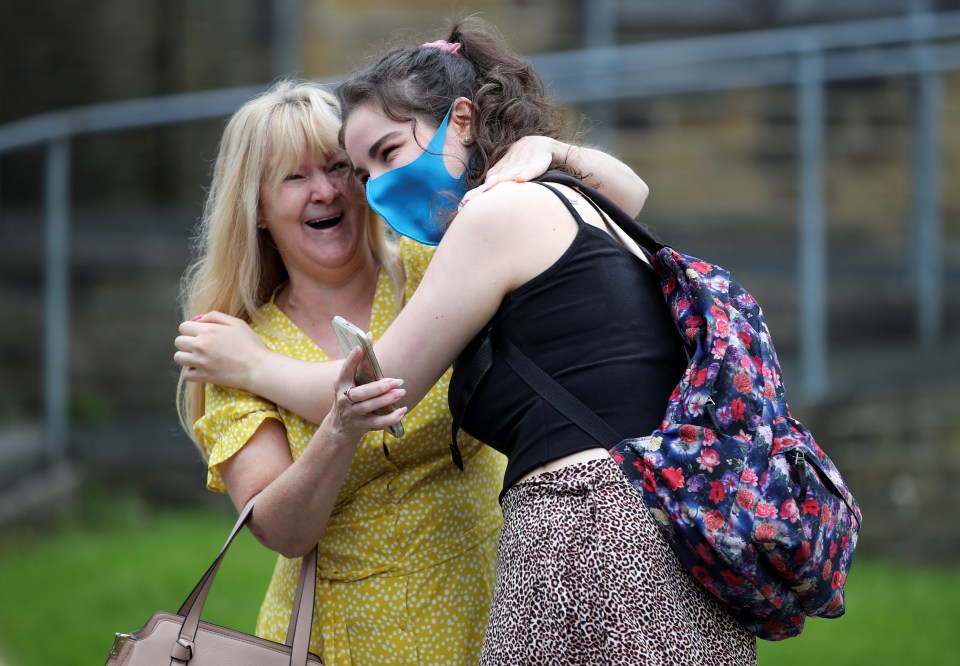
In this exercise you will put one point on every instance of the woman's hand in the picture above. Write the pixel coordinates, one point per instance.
(219, 349)
(359, 409)
(298, 496)
(528, 158)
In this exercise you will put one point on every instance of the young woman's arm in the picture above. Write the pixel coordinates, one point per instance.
(502, 240)
(461, 293)
(532, 156)
(223, 350)
(219, 349)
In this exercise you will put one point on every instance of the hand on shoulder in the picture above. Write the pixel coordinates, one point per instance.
(501, 208)
(521, 227)
(219, 349)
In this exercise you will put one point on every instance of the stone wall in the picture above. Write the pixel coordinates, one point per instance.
(338, 35)
(722, 171)
(739, 150)
(60, 55)
(900, 454)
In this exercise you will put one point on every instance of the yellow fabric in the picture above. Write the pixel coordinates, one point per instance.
(407, 563)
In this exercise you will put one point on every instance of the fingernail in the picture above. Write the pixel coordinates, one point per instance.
(200, 316)
(399, 383)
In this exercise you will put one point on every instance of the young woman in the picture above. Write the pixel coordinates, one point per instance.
(407, 540)
(583, 575)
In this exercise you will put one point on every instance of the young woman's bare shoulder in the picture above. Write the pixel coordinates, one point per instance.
(510, 233)
(504, 208)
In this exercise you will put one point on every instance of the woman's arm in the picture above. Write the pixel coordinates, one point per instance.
(609, 175)
(220, 349)
(533, 156)
(297, 497)
(487, 252)
(502, 240)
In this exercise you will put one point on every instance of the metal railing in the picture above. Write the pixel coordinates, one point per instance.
(921, 44)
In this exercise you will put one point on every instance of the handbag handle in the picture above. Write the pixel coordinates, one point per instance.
(301, 615)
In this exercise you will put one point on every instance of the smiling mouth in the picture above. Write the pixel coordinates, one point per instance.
(325, 223)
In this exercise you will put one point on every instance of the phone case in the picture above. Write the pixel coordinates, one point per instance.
(351, 336)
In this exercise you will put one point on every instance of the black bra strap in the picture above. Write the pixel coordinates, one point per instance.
(630, 226)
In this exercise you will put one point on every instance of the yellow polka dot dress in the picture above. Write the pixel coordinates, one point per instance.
(407, 562)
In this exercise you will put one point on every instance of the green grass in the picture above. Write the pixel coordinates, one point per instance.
(896, 614)
(63, 596)
(64, 592)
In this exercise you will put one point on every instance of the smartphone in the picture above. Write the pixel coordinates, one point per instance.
(351, 336)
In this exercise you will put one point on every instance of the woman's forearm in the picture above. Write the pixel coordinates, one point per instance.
(294, 508)
(304, 387)
(607, 174)
(220, 349)
(297, 498)
(532, 156)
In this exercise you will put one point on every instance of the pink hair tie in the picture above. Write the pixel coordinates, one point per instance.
(443, 45)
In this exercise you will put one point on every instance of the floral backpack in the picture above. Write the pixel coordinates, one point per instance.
(751, 505)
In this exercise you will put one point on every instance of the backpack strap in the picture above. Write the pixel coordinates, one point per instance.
(554, 393)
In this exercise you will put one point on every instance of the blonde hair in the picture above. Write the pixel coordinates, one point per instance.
(236, 268)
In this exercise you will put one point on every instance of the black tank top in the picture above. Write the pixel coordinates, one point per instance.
(597, 322)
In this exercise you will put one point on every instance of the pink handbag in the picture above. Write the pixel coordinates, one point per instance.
(177, 639)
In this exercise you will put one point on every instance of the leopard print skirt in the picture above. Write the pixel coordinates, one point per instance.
(584, 577)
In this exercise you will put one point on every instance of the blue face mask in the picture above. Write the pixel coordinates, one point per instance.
(414, 199)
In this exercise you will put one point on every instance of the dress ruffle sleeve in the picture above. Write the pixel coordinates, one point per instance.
(229, 421)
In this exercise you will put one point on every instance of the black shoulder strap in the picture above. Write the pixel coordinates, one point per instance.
(634, 229)
(562, 400)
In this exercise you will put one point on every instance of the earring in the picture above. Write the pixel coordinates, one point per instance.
(466, 140)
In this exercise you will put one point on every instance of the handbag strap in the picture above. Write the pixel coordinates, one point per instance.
(301, 615)
(298, 633)
(553, 392)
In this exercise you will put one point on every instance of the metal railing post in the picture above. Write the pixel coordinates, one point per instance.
(927, 261)
(599, 31)
(812, 238)
(285, 15)
(56, 357)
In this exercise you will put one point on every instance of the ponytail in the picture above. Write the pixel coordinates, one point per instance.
(420, 83)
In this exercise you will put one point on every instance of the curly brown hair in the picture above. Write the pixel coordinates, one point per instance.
(414, 83)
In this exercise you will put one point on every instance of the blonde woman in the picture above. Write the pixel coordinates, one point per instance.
(407, 540)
